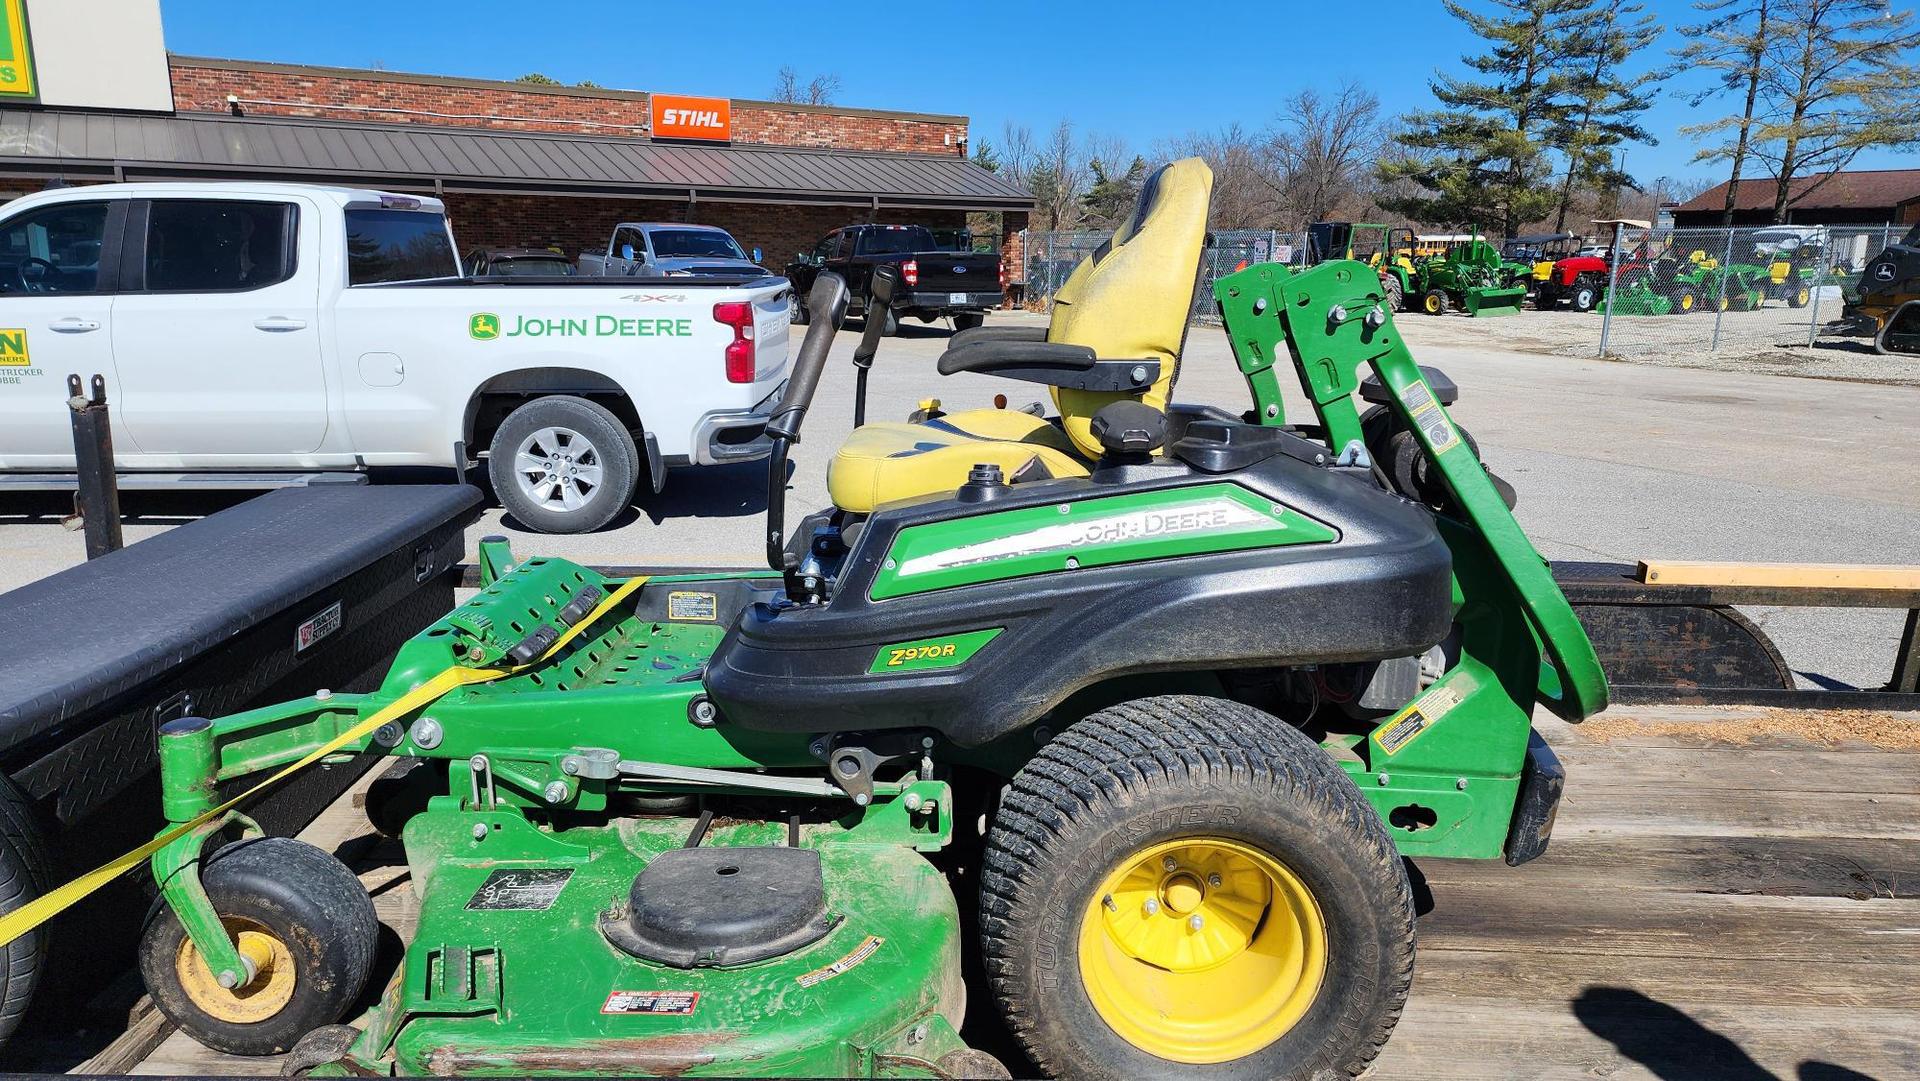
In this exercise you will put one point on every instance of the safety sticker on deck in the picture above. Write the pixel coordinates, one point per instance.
(704, 607)
(671, 1003)
(860, 953)
(525, 889)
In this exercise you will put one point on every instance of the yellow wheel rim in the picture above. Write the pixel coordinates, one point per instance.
(1202, 950)
(1804, 297)
(1686, 302)
(268, 993)
(1433, 305)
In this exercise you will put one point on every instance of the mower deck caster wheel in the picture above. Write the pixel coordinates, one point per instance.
(298, 915)
(1185, 887)
(972, 1065)
(328, 1043)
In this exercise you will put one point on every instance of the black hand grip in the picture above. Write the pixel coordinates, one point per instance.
(827, 309)
(879, 299)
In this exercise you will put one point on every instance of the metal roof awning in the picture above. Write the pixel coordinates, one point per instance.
(123, 146)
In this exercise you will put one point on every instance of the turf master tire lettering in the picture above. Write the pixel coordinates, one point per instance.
(1140, 775)
(303, 909)
(594, 444)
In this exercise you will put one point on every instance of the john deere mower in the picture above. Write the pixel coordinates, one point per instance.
(1116, 724)
(1884, 304)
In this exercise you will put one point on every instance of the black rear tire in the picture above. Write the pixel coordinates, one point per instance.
(23, 877)
(300, 896)
(1176, 769)
(613, 451)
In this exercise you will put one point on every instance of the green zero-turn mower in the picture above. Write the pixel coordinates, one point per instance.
(1116, 725)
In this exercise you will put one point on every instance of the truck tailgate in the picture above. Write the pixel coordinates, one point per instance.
(957, 272)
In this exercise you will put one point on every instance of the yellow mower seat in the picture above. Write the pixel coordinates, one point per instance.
(885, 462)
(1127, 301)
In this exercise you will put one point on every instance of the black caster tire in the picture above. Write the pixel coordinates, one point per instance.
(594, 455)
(23, 877)
(328, 1043)
(301, 914)
(1184, 887)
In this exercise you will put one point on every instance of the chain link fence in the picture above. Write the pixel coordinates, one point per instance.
(1737, 291)
(1673, 291)
(1052, 256)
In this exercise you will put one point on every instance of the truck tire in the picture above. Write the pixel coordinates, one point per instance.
(968, 320)
(23, 877)
(562, 464)
(797, 310)
(1188, 888)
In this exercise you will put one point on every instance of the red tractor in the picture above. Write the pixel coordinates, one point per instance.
(1579, 281)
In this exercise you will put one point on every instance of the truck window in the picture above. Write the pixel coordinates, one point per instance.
(55, 249)
(695, 244)
(895, 241)
(824, 250)
(398, 246)
(214, 245)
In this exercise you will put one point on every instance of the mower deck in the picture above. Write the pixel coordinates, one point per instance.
(1754, 911)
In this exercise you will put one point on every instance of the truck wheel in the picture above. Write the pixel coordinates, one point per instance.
(304, 921)
(563, 465)
(796, 311)
(1186, 887)
(23, 877)
(968, 320)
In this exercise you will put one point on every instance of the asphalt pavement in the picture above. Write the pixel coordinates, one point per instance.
(1613, 461)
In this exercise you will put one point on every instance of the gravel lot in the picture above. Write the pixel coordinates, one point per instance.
(1612, 461)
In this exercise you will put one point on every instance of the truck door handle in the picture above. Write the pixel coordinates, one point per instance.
(280, 323)
(73, 325)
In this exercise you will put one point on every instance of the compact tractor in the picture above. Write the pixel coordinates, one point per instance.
(1388, 249)
(1470, 276)
(1115, 725)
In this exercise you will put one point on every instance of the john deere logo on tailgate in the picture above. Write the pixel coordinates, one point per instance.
(13, 348)
(484, 326)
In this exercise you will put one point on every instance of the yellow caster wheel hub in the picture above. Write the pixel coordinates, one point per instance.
(260, 998)
(1202, 950)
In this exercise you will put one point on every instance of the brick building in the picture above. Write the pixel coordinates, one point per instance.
(1854, 197)
(518, 164)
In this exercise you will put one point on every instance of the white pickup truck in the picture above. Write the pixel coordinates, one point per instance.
(251, 330)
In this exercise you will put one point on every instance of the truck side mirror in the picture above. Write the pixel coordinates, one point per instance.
(626, 252)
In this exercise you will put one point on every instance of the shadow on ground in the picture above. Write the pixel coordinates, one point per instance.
(1675, 1047)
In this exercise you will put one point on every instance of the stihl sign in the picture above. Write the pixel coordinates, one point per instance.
(678, 117)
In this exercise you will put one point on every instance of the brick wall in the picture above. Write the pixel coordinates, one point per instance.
(580, 225)
(401, 99)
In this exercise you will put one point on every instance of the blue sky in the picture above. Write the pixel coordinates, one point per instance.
(1121, 67)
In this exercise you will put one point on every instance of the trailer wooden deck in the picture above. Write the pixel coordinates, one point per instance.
(1730, 895)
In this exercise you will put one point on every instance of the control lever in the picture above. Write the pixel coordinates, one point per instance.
(886, 279)
(827, 304)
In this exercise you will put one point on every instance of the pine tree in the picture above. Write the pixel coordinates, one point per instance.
(1111, 196)
(1606, 104)
(1733, 45)
(1841, 79)
(1482, 155)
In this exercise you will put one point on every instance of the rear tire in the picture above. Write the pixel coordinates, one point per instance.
(587, 433)
(306, 911)
(23, 877)
(1217, 795)
(1396, 297)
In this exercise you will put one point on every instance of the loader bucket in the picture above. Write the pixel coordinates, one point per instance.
(1491, 301)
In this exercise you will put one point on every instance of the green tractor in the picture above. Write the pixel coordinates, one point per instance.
(1114, 726)
(1388, 249)
(1472, 277)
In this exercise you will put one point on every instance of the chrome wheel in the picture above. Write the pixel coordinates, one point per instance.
(557, 468)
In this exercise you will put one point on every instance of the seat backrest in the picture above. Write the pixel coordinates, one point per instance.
(1131, 298)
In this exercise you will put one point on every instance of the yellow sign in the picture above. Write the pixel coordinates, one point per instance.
(16, 52)
(13, 348)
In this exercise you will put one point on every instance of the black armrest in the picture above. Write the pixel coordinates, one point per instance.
(1052, 363)
(997, 334)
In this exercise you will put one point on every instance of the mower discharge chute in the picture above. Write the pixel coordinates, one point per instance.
(1140, 706)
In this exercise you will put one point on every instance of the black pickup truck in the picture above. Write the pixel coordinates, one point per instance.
(933, 283)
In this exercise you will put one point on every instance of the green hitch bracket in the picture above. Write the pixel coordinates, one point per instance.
(189, 768)
(495, 559)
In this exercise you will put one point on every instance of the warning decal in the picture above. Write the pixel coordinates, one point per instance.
(1401, 729)
(668, 1003)
(704, 607)
(526, 889)
(1428, 417)
(860, 953)
(1417, 717)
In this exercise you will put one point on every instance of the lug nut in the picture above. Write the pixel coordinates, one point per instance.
(1194, 921)
(1170, 863)
(1152, 907)
(1214, 881)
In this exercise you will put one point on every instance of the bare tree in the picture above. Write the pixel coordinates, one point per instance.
(1321, 149)
(1247, 193)
(1732, 44)
(818, 91)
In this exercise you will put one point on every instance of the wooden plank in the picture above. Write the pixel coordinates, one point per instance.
(1700, 572)
(1542, 976)
(1623, 1034)
(147, 1029)
(1754, 769)
(1689, 813)
(1853, 867)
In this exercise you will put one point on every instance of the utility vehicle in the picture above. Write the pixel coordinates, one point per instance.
(1115, 726)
